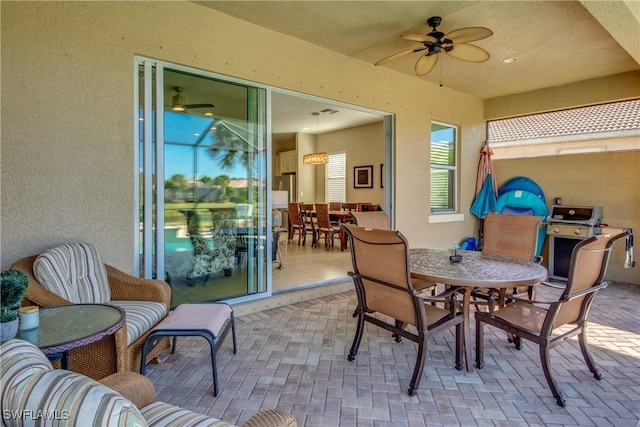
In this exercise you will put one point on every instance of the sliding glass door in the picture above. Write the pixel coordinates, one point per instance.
(202, 162)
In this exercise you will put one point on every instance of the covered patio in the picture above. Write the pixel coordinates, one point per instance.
(293, 358)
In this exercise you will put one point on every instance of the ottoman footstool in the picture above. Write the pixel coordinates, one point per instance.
(211, 321)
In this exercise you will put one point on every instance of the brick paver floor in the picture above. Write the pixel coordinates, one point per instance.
(293, 358)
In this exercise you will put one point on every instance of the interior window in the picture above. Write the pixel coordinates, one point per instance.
(337, 177)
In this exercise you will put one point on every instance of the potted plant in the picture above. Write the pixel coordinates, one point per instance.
(13, 285)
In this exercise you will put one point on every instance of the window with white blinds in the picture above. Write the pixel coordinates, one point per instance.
(336, 182)
(443, 168)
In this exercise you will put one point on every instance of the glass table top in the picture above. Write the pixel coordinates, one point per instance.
(65, 327)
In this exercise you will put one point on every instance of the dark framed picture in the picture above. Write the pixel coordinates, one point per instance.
(363, 176)
(381, 175)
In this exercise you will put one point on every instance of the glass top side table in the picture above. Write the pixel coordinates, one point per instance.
(65, 327)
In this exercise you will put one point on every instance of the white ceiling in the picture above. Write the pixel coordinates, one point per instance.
(556, 42)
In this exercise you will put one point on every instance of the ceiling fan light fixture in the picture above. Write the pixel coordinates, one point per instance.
(177, 102)
(511, 60)
(315, 159)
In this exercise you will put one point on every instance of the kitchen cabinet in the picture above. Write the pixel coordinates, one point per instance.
(288, 161)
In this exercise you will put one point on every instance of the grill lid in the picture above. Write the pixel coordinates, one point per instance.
(585, 215)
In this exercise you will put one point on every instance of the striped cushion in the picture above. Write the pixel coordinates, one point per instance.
(160, 414)
(74, 272)
(20, 360)
(69, 399)
(141, 316)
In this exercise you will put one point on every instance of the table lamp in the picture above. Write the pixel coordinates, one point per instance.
(279, 200)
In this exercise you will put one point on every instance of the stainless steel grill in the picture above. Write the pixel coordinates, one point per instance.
(568, 225)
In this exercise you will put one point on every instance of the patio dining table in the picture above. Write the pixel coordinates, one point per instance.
(476, 269)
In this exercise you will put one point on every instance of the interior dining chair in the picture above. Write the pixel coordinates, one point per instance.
(360, 206)
(382, 278)
(310, 222)
(295, 223)
(349, 207)
(325, 227)
(540, 321)
(335, 206)
(514, 236)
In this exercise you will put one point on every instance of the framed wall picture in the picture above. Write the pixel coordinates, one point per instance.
(363, 176)
(381, 175)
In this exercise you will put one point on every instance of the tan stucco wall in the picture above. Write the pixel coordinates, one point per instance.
(67, 114)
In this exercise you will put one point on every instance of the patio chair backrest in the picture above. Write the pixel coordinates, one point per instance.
(74, 272)
(374, 219)
(515, 236)
(382, 256)
(588, 265)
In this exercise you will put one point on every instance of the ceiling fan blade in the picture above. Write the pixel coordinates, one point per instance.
(468, 53)
(469, 34)
(397, 56)
(419, 38)
(199, 106)
(425, 64)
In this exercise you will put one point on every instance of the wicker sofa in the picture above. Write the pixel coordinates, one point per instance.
(75, 273)
(31, 391)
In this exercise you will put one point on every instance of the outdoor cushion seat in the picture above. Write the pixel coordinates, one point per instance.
(75, 274)
(30, 386)
(141, 316)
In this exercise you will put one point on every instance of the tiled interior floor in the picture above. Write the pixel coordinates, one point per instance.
(293, 358)
(305, 266)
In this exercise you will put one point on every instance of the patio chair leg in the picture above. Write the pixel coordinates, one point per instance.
(548, 374)
(399, 325)
(358, 337)
(419, 368)
(459, 345)
(582, 339)
(479, 344)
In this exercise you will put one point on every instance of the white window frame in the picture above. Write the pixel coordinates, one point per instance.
(453, 168)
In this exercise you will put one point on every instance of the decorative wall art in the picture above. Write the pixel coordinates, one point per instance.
(363, 176)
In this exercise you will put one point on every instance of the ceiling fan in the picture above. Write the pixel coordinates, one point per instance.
(178, 101)
(454, 44)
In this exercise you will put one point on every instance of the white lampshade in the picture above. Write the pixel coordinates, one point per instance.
(280, 199)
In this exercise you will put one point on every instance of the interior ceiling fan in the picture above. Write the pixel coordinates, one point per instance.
(178, 101)
(454, 44)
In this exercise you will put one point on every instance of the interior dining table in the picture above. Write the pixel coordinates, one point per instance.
(475, 269)
(340, 217)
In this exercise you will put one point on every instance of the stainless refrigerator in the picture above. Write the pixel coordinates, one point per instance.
(286, 182)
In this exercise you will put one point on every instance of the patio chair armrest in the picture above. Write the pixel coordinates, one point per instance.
(36, 293)
(528, 301)
(125, 287)
(133, 386)
(587, 291)
(271, 418)
(442, 296)
(553, 285)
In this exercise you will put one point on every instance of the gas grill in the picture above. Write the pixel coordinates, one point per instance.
(567, 226)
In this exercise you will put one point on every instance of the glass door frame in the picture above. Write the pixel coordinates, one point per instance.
(152, 263)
